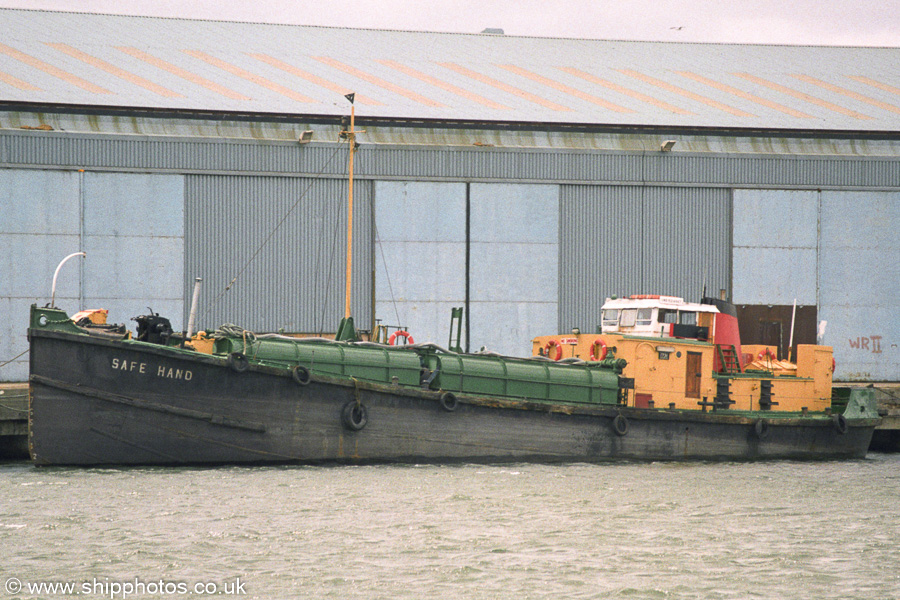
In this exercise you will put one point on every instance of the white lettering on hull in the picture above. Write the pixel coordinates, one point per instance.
(172, 373)
(133, 366)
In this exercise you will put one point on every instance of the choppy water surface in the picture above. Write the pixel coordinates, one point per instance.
(662, 530)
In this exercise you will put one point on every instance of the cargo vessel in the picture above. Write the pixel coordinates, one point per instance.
(100, 395)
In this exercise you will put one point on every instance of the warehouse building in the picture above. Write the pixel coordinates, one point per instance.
(524, 179)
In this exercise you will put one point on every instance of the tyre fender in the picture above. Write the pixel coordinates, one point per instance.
(301, 375)
(840, 423)
(620, 425)
(449, 401)
(238, 362)
(354, 416)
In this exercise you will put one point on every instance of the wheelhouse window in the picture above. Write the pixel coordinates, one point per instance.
(668, 316)
(644, 317)
(628, 317)
(610, 317)
(687, 318)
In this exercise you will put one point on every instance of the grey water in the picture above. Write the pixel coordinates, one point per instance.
(637, 530)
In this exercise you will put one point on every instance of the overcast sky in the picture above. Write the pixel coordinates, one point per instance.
(816, 22)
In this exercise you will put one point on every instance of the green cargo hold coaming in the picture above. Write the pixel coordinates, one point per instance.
(539, 380)
(379, 364)
(426, 366)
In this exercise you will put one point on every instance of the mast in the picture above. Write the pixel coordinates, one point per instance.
(351, 137)
(346, 330)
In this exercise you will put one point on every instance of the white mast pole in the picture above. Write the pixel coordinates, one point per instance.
(192, 320)
(791, 343)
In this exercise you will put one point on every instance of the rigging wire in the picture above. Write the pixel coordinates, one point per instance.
(3, 364)
(326, 273)
(387, 275)
(272, 233)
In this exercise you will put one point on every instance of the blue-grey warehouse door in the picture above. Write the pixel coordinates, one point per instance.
(492, 248)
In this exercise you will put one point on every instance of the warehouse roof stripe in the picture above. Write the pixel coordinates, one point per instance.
(125, 62)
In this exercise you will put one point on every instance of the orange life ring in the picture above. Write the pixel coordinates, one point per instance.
(405, 334)
(767, 352)
(549, 345)
(603, 350)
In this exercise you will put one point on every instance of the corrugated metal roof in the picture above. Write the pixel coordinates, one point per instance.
(179, 64)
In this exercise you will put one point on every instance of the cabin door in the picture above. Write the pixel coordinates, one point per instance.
(692, 374)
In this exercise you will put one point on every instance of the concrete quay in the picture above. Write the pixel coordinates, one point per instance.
(887, 434)
(13, 420)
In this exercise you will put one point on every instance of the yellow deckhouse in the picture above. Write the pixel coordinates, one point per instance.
(685, 355)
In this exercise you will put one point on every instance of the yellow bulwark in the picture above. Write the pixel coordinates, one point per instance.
(678, 373)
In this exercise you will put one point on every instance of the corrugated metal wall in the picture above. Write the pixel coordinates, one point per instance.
(131, 227)
(171, 153)
(284, 239)
(432, 161)
(640, 240)
(628, 222)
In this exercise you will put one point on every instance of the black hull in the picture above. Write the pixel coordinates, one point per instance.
(96, 401)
